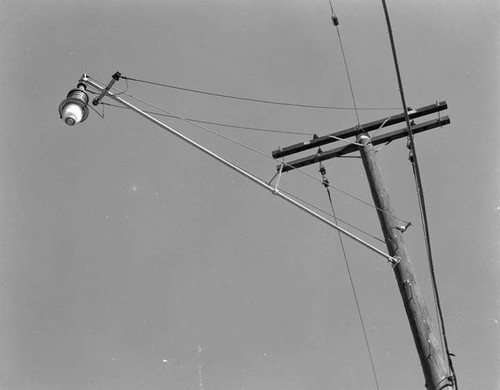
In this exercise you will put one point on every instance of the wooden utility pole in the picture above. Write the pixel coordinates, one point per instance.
(437, 371)
(435, 368)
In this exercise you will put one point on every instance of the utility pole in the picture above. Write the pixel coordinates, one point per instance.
(435, 366)
(436, 371)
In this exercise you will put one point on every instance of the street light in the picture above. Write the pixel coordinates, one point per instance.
(74, 109)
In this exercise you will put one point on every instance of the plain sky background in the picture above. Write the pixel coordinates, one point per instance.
(129, 260)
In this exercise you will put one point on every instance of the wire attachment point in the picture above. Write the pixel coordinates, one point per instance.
(114, 79)
(278, 174)
(322, 171)
(404, 228)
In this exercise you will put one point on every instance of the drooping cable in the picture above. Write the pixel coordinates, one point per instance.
(335, 22)
(254, 100)
(420, 191)
(175, 116)
(326, 184)
(265, 130)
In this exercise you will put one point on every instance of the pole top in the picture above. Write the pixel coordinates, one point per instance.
(363, 138)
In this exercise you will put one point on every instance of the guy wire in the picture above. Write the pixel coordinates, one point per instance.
(326, 184)
(335, 22)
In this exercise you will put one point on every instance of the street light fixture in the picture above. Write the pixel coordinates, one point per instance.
(74, 109)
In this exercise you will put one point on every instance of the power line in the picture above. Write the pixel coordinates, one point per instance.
(266, 130)
(335, 22)
(264, 101)
(175, 116)
(420, 192)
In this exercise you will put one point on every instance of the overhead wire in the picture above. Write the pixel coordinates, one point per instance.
(266, 130)
(175, 116)
(335, 22)
(421, 200)
(326, 184)
(254, 100)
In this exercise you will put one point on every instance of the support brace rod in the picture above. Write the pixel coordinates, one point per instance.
(239, 170)
(381, 139)
(353, 131)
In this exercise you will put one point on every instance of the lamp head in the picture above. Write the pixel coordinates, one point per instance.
(74, 109)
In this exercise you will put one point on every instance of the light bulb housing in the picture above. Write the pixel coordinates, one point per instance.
(74, 109)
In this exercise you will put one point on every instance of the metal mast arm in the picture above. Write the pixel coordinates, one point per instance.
(241, 171)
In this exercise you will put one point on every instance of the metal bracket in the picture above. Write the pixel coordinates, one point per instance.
(279, 178)
(394, 261)
(275, 189)
(115, 78)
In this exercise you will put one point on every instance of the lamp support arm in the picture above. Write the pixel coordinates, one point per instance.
(239, 170)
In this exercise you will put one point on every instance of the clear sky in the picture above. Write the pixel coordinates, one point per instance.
(129, 260)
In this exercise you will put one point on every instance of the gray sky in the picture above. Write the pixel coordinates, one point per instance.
(129, 260)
